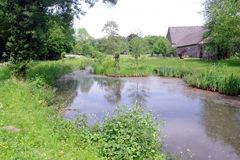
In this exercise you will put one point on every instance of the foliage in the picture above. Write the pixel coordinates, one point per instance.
(213, 80)
(137, 47)
(4, 73)
(158, 45)
(130, 134)
(111, 28)
(103, 63)
(131, 36)
(84, 47)
(161, 46)
(82, 35)
(18, 69)
(25, 32)
(49, 71)
(59, 40)
(112, 1)
(115, 44)
(223, 29)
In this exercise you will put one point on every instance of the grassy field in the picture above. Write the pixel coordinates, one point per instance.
(221, 76)
(148, 65)
(32, 128)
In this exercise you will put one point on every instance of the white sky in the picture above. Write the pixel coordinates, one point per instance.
(150, 17)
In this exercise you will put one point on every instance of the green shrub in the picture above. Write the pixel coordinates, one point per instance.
(4, 73)
(103, 64)
(130, 134)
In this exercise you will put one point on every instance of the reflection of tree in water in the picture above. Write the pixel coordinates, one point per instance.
(85, 83)
(138, 93)
(113, 88)
(66, 90)
(66, 85)
(222, 122)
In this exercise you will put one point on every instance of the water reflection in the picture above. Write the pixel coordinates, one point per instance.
(222, 124)
(199, 125)
(138, 92)
(85, 83)
(112, 87)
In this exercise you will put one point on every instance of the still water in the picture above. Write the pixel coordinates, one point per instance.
(198, 125)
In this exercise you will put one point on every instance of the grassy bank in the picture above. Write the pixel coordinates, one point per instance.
(30, 127)
(50, 71)
(221, 76)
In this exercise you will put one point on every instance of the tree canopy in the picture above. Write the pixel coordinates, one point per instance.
(223, 24)
(82, 34)
(111, 28)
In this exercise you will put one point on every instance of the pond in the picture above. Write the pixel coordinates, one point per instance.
(198, 124)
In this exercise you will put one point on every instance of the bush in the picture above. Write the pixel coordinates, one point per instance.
(4, 73)
(19, 69)
(103, 63)
(130, 134)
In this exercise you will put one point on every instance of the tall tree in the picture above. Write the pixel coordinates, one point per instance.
(223, 24)
(82, 34)
(111, 28)
(137, 47)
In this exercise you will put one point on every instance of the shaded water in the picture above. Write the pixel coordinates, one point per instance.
(198, 124)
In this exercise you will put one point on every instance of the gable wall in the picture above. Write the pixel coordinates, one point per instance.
(191, 51)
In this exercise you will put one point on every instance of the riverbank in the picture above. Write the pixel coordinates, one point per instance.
(31, 127)
(218, 76)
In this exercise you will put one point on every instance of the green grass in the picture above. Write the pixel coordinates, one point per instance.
(51, 70)
(42, 133)
(4, 72)
(221, 76)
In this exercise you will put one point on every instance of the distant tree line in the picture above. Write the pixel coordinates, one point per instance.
(113, 44)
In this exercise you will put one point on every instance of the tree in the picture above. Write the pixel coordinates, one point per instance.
(223, 27)
(137, 47)
(113, 45)
(84, 47)
(59, 40)
(82, 34)
(151, 40)
(157, 45)
(161, 46)
(131, 36)
(84, 42)
(111, 28)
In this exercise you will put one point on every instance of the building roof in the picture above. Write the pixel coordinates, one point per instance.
(185, 36)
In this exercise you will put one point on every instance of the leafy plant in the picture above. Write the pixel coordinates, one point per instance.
(130, 134)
